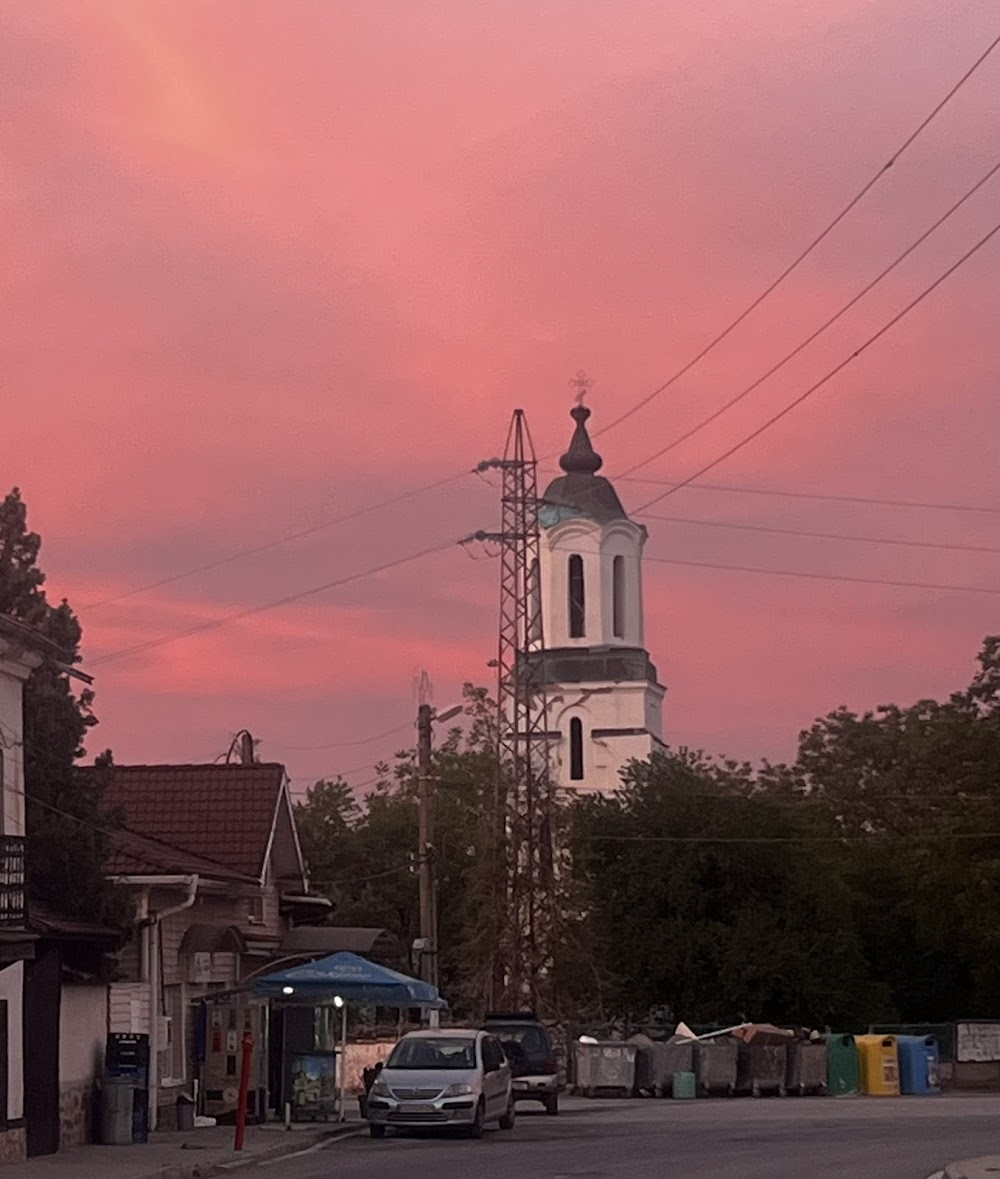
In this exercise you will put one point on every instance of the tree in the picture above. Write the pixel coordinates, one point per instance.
(916, 789)
(67, 834)
(704, 898)
(364, 858)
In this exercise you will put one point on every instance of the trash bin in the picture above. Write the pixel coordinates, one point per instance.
(185, 1112)
(806, 1067)
(841, 1065)
(118, 1110)
(605, 1066)
(683, 1086)
(657, 1063)
(715, 1065)
(918, 1064)
(761, 1068)
(878, 1065)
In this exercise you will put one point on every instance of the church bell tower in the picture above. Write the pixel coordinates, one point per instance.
(605, 702)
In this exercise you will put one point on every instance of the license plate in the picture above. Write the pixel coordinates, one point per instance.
(419, 1109)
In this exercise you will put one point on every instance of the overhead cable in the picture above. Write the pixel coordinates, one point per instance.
(716, 414)
(809, 249)
(886, 327)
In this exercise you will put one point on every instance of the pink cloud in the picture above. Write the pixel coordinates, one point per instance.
(262, 273)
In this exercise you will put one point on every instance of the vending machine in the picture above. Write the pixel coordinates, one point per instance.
(222, 1026)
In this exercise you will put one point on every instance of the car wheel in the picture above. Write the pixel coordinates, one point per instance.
(376, 1131)
(478, 1122)
(507, 1121)
(552, 1104)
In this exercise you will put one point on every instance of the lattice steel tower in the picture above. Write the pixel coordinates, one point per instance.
(523, 884)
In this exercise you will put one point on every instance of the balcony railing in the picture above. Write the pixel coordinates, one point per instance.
(12, 856)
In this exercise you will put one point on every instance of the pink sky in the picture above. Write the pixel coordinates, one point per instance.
(267, 263)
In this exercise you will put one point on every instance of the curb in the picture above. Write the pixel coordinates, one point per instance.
(981, 1168)
(300, 1143)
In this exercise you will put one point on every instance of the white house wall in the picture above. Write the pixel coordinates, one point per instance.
(83, 1029)
(12, 990)
(11, 750)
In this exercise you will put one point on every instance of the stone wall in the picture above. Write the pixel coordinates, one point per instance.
(13, 1146)
(76, 1114)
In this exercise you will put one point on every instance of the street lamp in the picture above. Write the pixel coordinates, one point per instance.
(427, 716)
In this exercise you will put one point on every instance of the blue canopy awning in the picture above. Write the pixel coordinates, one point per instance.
(351, 977)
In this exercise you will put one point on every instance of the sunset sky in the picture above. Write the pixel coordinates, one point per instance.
(268, 263)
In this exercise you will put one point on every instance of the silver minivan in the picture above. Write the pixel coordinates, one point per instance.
(442, 1077)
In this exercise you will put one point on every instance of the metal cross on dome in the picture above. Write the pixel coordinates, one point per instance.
(581, 383)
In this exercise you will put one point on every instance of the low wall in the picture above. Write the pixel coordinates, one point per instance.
(13, 1146)
(76, 1113)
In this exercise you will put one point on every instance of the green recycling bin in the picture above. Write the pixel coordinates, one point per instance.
(842, 1076)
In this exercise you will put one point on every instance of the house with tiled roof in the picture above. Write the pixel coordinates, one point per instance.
(211, 859)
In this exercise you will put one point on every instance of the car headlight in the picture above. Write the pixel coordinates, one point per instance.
(459, 1089)
(380, 1089)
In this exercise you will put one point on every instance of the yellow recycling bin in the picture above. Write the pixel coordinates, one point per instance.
(878, 1065)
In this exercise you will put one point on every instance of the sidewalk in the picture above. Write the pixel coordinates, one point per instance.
(982, 1168)
(180, 1154)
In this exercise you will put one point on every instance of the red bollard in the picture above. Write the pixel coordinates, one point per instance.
(241, 1107)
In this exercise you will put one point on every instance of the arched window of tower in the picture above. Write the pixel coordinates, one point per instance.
(618, 597)
(534, 605)
(576, 749)
(577, 602)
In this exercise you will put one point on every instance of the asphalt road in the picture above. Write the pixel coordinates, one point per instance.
(770, 1138)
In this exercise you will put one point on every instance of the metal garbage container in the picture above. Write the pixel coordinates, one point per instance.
(118, 1110)
(841, 1065)
(918, 1064)
(806, 1067)
(715, 1065)
(761, 1068)
(607, 1066)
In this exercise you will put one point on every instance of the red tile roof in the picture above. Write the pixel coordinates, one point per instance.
(133, 854)
(218, 814)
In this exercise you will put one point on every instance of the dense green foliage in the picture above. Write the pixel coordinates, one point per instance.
(859, 884)
(66, 831)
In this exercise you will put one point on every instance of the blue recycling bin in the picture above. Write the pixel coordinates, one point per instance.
(918, 1064)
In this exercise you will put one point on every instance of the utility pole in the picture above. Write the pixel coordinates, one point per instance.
(425, 852)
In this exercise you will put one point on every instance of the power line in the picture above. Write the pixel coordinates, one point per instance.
(848, 499)
(716, 414)
(277, 542)
(809, 249)
(890, 540)
(237, 615)
(925, 585)
(344, 744)
(830, 375)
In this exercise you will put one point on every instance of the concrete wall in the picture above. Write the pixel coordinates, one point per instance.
(12, 989)
(83, 1030)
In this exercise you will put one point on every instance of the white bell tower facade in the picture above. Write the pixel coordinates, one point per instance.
(605, 701)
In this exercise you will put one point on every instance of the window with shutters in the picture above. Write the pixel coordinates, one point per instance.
(577, 601)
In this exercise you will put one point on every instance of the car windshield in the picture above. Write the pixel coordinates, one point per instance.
(531, 1040)
(425, 1052)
